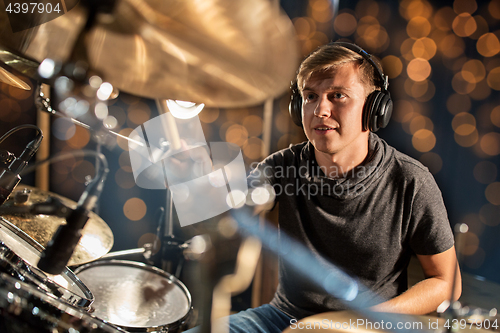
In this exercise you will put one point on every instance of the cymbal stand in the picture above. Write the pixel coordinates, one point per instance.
(171, 248)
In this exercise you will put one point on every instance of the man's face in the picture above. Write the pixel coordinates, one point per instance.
(332, 110)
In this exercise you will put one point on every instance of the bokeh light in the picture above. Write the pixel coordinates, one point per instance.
(411, 8)
(321, 10)
(423, 140)
(421, 122)
(494, 9)
(451, 46)
(492, 193)
(123, 143)
(494, 78)
(464, 25)
(473, 71)
(489, 213)
(464, 6)
(134, 209)
(80, 139)
(237, 134)
(461, 85)
(485, 172)
(253, 125)
(345, 24)
(138, 113)
(392, 66)
(82, 170)
(490, 143)
(443, 19)
(488, 45)
(424, 48)
(418, 27)
(209, 115)
(253, 148)
(432, 161)
(418, 69)
(495, 116)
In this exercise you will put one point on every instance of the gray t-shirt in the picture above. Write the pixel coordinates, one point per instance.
(367, 222)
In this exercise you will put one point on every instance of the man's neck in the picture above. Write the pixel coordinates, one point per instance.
(339, 164)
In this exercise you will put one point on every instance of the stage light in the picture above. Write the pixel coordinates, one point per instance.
(183, 109)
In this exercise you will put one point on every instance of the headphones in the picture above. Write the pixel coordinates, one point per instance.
(377, 109)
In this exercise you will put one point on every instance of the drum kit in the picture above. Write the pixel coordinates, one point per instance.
(223, 53)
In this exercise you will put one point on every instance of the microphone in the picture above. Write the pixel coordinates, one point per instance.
(56, 255)
(10, 177)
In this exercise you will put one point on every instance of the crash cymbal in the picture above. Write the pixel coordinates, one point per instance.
(223, 53)
(350, 322)
(13, 80)
(97, 238)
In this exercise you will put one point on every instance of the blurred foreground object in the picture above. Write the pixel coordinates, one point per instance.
(223, 53)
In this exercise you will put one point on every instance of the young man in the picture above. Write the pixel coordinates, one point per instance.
(366, 207)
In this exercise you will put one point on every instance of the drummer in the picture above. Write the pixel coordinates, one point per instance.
(350, 197)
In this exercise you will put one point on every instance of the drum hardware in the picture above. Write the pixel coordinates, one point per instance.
(167, 250)
(11, 174)
(33, 217)
(44, 104)
(137, 297)
(24, 309)
(62, 245)
(462, 310)
(19, 255)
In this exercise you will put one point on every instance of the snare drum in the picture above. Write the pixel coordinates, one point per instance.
(135, 296)
(19, 255)
(25, 309)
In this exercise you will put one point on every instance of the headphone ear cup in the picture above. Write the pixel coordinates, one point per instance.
(368, 111)
(384, 111)
(377, 110)
(295, 106)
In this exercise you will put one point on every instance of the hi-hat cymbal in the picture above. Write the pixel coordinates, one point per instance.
(97, 237)
(223, 53)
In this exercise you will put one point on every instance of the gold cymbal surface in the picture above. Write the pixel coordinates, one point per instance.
(97, 238)
(223, 53)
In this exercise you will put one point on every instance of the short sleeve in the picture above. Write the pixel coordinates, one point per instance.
(431, 231)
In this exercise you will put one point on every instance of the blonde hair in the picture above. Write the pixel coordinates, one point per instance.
(330, 56)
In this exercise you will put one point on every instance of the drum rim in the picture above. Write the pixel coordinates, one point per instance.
(79, 301)
(141, 265)
(32, 291)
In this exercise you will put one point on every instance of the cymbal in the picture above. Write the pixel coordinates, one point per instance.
(97, 237)
(350, 321)
(13, 80)
(223, 53)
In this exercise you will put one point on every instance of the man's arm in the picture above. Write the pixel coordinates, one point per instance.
(428, 294)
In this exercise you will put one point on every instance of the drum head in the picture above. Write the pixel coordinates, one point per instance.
(24, 309)
(135, 296)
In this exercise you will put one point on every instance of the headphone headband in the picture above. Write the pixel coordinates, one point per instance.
(367, 57)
